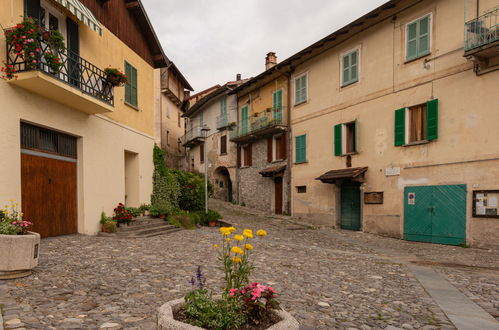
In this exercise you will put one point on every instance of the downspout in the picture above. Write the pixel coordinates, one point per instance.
(289, 151)
(237, 152)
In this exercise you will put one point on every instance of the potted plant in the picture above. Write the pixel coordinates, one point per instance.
(108, 225)
(211, 218)
(19, 247)
(159, 210)
(241, 304)
(121, 215)
(115, 77)
(144, 208)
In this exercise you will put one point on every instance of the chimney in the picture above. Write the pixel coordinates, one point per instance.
(270, 60)
(238, 77)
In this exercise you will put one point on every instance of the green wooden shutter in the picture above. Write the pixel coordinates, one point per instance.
(297, 91)
(424, 36)
(356, 135)
(400, 127)
(128, 85)
(301, 148)
(346, 69)
(354, 76)
(338, 145)
(134, 88)
(432, 120)
(223, 107)
(412, 41)
(244, 119)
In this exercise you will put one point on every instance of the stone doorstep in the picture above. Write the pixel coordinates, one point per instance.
(167, 322)
(163, 223)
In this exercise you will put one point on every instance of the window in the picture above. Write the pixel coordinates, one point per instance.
(301, 189)
(277, 105)
(301, 149)
(247, 155)
(201, 153)
(417, 123)
(345, 138)
(223, 107)
(131, 85)
(418, 38)
(301, 89)
(276, 148)
(223, 145)
(350, 68)
(244, 119)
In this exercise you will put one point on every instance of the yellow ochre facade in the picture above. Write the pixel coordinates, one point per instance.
(458, 152)
(114, 143)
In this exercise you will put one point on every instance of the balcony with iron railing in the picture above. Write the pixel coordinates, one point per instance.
(482, 35)
(223, 122)
(193, 136)
(77, 83)
(268, 122)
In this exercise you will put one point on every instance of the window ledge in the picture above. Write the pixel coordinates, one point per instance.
(416, 143)
(304, 162)
(349, 83)
(245, 167)
(350, 154)
(407, 61)
(301, 102)
(277, 161)
(131, 106)
(223, 154)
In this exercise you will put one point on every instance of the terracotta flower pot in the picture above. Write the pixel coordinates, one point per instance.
(212, 223)
(18, 254)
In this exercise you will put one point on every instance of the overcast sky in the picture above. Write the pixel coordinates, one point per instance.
(211, 41)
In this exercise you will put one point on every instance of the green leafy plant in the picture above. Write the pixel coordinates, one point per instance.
(7, 228)
(121, 215)
(110, 227)
(53, 62)
(212, 215)
(143, 208)
(104, 218)
(160, 209)
(135, 211)
(12, 220)
(115, 77)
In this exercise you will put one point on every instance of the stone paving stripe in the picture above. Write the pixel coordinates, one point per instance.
(464, 313)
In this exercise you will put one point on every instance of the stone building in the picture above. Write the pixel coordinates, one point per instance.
(261, 135)
(215, 111)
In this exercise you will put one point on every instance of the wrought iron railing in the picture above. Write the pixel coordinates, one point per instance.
(482, 30)
(75, 70)
(192, 133)
(259, 122)
(222, 121)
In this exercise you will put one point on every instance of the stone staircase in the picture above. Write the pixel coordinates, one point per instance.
(142, 227)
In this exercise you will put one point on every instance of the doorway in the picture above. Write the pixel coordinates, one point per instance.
(278, 195)
(131, 179)
(350, 205)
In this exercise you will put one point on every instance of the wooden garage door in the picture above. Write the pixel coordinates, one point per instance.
(48, 181)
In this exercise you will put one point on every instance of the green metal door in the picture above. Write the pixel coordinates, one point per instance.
(350, 205)
(435, 214)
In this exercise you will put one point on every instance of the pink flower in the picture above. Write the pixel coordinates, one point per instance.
(232, 292)
(271, 290)
(256, 293)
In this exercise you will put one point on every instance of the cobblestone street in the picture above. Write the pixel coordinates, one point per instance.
(326, 278)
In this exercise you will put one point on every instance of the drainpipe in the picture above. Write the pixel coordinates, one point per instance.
(289, 151)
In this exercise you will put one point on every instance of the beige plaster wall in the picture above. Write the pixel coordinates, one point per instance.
(466, 122)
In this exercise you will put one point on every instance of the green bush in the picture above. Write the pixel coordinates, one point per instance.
(212, 215)
(144, 207)
(7, 228)
(135, 211)
(166, 188)
(104, 218)
(160, 209)
(206, 312)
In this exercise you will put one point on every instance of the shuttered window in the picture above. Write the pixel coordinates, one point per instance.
(418, 38)
(41, 139)
(223, 145)
(350, 68)
(301, 148)
(345, 138)
(301, 89)
(418, 123)
(131, 85)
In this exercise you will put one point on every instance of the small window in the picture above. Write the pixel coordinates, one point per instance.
(276, 148)
(201, 153)
(301, 89)
(345, 138)
(418, 38)
(301, 149)
(415, 124)
(223, 145)
(350, 68)
(131, 85)
(301, 189)
(247, 155)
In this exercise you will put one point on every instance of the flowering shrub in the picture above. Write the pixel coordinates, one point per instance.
(115, 77)
(11, 221)
(242, 303)
(53, 62)
(121, 215)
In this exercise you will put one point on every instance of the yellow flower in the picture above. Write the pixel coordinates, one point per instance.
(21, 214)
(248, 247)
(6, 206)
(248, 233)
(228, 239)
(225, 231)
(215, 246)
(261, 232)
(238, 237)
(238, 250)
(236, 259)
(232, 229)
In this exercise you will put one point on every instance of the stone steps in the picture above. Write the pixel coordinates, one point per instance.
(143, 227)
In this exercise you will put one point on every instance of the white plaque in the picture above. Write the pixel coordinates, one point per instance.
(392, 171)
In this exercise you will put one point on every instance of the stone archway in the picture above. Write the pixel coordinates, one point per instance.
(223, 184)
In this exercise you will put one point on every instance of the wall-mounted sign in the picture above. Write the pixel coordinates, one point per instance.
(411, 198)
(392, 171)
(373, 197)
(485, 203)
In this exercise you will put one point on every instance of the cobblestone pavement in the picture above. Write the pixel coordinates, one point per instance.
(327, 279)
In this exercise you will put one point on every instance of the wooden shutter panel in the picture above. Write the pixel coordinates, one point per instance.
(424, 36)
(353, 66)
(356, 135)
(304, 148)
(412, 40)
(250, 155)
(269, 149)
(238, 156)
(282, 147)
(134, 87)
(400, 127)
(432, 120)
(338, 144)
(128, 85)
(32, 9)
